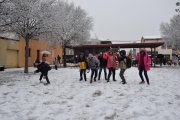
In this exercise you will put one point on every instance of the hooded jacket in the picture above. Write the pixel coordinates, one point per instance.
(107, 57)
(146, 59)
(103, 62)
(93, 63)
(82, 63)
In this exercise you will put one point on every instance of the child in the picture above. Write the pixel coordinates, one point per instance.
(111, 64)
(82, 66)
(143, 65)
(56, 62)
(93, 65)
(122, 65)
(43, 67)
(103, 64)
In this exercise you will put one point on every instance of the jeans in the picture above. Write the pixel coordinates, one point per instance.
(145, 74)
(122, 75)
(94, 71)
(113, 71)
(46, 76)
(105, 73)
(83, 72)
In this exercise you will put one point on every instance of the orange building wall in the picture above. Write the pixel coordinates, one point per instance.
(35, 45)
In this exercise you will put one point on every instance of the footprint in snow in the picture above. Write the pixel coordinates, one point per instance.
(116, 91)
(11, 84)
(177, 97)
(6, 93)
(46, 92)
(121, 94)
(87, 105)
(97, 93)
(110, 116)
(71, 97)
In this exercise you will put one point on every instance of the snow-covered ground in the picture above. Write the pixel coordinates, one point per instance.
(23, 97)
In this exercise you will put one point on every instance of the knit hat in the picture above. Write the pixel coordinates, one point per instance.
(90, 55)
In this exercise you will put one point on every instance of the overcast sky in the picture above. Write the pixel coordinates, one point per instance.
(127, 20)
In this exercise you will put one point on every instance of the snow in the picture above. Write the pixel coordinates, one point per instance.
(152, 37)
(9, 35)
(23, 97)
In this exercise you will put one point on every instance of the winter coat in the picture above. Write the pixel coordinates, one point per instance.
(147, 61)
(43, 67)
(102, 61)
(93, 63)
(107, 57)
(122, 62)
(82, 63)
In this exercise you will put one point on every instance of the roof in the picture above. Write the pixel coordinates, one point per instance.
(155, 37)
(9, 36)
(124, 45)
(121, 42)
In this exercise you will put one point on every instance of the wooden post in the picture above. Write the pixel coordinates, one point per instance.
(154, 56)
(151, 58)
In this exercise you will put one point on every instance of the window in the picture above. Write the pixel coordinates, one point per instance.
(38, 54)
(29, 52)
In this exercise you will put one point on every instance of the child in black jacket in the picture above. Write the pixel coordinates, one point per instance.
(43, 67)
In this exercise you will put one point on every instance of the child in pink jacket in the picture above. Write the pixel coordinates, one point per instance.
(111, 64)
(143, 65)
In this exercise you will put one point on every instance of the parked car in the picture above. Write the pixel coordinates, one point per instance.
(2, 68)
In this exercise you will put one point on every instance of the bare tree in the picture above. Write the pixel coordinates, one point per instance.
(171, 32)
(72, 25)
(4, 13)
(62, 22)
(29, 19)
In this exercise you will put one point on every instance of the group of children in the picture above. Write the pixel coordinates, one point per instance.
(109, 61)
(101, 62)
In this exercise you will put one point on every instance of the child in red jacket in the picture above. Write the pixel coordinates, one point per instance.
(143, 65)
(111, 64)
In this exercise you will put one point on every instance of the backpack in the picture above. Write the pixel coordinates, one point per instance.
(128, 62)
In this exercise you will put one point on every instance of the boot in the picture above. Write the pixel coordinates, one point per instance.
(142, 82)
(91, 81)
(105, 77)
(124, 82)
(46, 83)
(148, 83)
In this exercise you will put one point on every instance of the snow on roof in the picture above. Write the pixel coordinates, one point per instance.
(9, 35)
(152, 37)
(118, 42)
(121, 42)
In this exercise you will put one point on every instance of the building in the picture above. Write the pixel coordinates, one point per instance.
(12, 51)
(96, 49)
(9, 48)
(164, 49)
(35, 48)
(93, 41)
